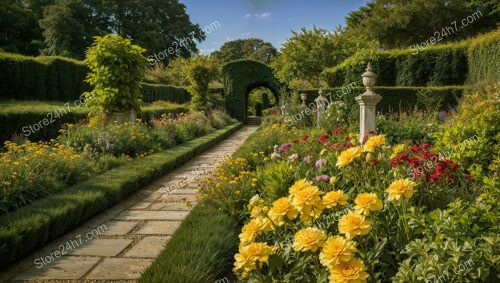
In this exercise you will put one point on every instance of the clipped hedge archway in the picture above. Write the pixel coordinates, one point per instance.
(242, 76)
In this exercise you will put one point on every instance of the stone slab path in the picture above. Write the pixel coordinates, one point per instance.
(118, 244)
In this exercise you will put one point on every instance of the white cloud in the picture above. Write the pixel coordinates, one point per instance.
(259, 15)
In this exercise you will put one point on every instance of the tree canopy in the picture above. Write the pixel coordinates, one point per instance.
(66, 27)
(251, 48)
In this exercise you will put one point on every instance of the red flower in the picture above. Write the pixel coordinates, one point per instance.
(414, 162)
(294, 141)
(400, 159)
(305, 137)
(339, 130)
(370, 132)
(323, 138)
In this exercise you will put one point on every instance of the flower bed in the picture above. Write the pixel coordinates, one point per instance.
(320, 205)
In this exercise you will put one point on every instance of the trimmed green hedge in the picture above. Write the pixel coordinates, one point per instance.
(394, 99)
(58, 78)
(28, 228)
(41, 78)
(152, 92)
(484, 58)
(438, 65)
(240, 77)
(201, 250)
(17, 117)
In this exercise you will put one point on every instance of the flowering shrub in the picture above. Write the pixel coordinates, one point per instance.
(33, 170)
(329, 208)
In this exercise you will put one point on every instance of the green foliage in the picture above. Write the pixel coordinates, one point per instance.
(41, 78)
(440, 65)
(274, 180)
(116, 68)
(460, 243)
(399, 24)
(415, 127)
(30, 227)
(242, 76)
(151, 93)
(203, 246)
(472, 135)
(249, 48)
(483, 55)
(305, 55)
(199, 72)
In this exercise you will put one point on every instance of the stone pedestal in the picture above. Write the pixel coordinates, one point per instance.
(367, 104)
(367, 113)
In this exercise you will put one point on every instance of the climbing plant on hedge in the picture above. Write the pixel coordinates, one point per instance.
(240, 77)
(117, 68)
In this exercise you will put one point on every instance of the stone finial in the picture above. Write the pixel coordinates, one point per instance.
(367, 104)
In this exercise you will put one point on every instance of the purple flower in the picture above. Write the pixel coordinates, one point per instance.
(284, 146)
(308, 159)
(323, 178)
(320, 162)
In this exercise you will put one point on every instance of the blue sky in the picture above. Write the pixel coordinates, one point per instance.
(270, 20)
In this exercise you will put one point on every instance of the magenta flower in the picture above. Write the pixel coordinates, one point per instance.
(323, 178)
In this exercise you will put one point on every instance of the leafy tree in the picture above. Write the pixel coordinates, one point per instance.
(251, 48)
(116, 70)
(19, 31)
(199, 72)
(400, 24)
(306, 54)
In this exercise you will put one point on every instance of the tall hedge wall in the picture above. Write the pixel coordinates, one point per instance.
(394, 99)
(174, 94)
(49, 78)
(41, 78)
(484, 58)
(438, 65)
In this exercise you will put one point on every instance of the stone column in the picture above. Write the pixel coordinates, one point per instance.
(367, 104)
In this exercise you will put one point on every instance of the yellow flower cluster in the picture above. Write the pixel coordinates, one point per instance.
(349, 155)
(309, 239)
(367, 202)
(354, 224)
(306, 198)
(251, 257)
(373, 143)
(334, 198)
(402, 188)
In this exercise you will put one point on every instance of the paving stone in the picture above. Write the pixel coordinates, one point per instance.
(171, 206)
(148, 247)
(119, 227)
(152, 215)
(64, 268)
(184, 192)
(172, 197)
(159, 228)
(102, 247)
(119, 269)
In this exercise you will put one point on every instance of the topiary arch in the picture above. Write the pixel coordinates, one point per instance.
(240, 78)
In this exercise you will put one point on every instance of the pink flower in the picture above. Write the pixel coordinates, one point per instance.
(320, 162)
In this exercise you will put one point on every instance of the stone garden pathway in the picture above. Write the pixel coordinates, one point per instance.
(118, 244)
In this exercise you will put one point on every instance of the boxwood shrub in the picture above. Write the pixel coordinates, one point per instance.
(30, 227)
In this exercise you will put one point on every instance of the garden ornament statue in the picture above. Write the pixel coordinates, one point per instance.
(367, 104)
(303, 96)
(321, 103)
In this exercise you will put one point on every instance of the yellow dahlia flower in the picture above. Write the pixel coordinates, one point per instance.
(308, 201)
(282, 207)
(335, 250)
(250, 231)
(347, 156)
(309, 239)
(402, 188)
(373, 143)
(351, 271)
(299, 185)
(335, 198)
(367, 202)
(250, 255)
(353, 224)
